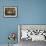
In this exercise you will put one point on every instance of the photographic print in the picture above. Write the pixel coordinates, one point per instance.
(32, 32)
(10, 11)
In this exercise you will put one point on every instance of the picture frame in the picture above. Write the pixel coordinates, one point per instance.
(10, 11)
(39, 35)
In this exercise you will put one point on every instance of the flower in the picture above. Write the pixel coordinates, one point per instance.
(12, 36)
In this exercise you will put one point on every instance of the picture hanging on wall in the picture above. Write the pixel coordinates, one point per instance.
(31, 32)
(10, 11)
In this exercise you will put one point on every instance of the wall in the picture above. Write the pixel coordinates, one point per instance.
(7, 25)
(29, 12)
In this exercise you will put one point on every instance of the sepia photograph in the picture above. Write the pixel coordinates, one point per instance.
(10, 11)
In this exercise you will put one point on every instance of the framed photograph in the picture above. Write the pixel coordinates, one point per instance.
(31, 32)
(10, 11)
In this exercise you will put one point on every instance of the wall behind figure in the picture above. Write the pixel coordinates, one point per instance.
(29, 12)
